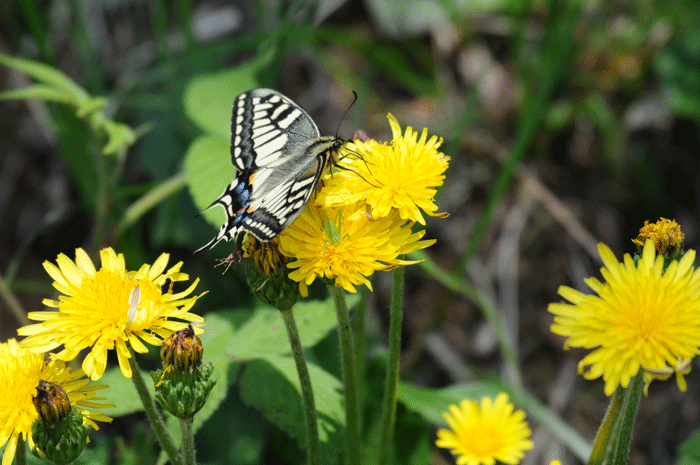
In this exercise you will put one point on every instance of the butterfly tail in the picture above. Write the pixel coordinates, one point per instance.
(206, 248)
(231, 200)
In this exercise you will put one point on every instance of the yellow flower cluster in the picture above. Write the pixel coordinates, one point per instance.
(481, 434)
(666, 234)
(361, 220)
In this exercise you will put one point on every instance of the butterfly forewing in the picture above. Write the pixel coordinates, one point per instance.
(280, 156)
(265, 125)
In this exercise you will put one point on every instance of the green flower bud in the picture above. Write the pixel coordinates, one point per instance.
(59, 433)
(268, 278)
(183, 393)
(183, 385)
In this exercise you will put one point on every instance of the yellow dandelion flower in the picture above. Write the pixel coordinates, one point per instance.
(20, 374)
(666, 234)
(642, 316)
(345, 246)
(104, 309)
(483, 434)
(402, 176)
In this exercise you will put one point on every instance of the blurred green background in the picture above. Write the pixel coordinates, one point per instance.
(568, 123)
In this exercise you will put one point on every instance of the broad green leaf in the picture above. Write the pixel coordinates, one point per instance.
(272, 385)
(208, 98)
(121, 392)
(235, 434)
(691, 447)
(264, 334)
(209, 170)
(327, 392)
(48, 75)
(679, 76)
(432, 403)
(217, 332)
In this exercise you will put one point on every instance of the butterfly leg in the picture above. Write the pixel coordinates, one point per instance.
(236, 256)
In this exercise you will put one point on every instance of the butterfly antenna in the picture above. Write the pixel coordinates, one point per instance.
(346, 113)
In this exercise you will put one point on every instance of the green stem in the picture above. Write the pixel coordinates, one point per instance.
(353, 443)
(12, 302)
(458, 284)
(358, 336)
(157, 422)
(556, 53)
(187, 441)
(148, 201)
(391, 385)
(102, 201)
(307, 393)
(602, 438)
(20, 452)
(619, 450)
(559, 428)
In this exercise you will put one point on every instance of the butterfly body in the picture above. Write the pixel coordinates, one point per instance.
(280, 155)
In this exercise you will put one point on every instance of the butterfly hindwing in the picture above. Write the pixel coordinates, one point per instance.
(280, 157)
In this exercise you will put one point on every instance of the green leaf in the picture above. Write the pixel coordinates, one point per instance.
(48, 75)
(208, 170)
(327, 393)
(208, 98)
(119, 137)
(217, 332)
(679, 77)
(121, 392)
(91, 105)
(36, 92)
(691, 447)
(264, 334)
(235, 434)
(272, 385)
(432, 403)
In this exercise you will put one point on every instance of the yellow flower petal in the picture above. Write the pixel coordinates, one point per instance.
(82, 260)
(400, 177)
(348, 248)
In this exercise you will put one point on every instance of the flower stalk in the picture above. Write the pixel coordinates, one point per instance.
(157, 422)
(188, 450)
(605, 432)
(21, 452)
(391, 385)
(359, 318)
(307, 394)
(353, 442)
(619, 449)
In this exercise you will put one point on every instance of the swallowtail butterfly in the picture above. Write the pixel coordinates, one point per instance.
(279, 154)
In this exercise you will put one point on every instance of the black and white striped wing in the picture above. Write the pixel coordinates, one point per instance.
(279, 153)
(266, 127)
